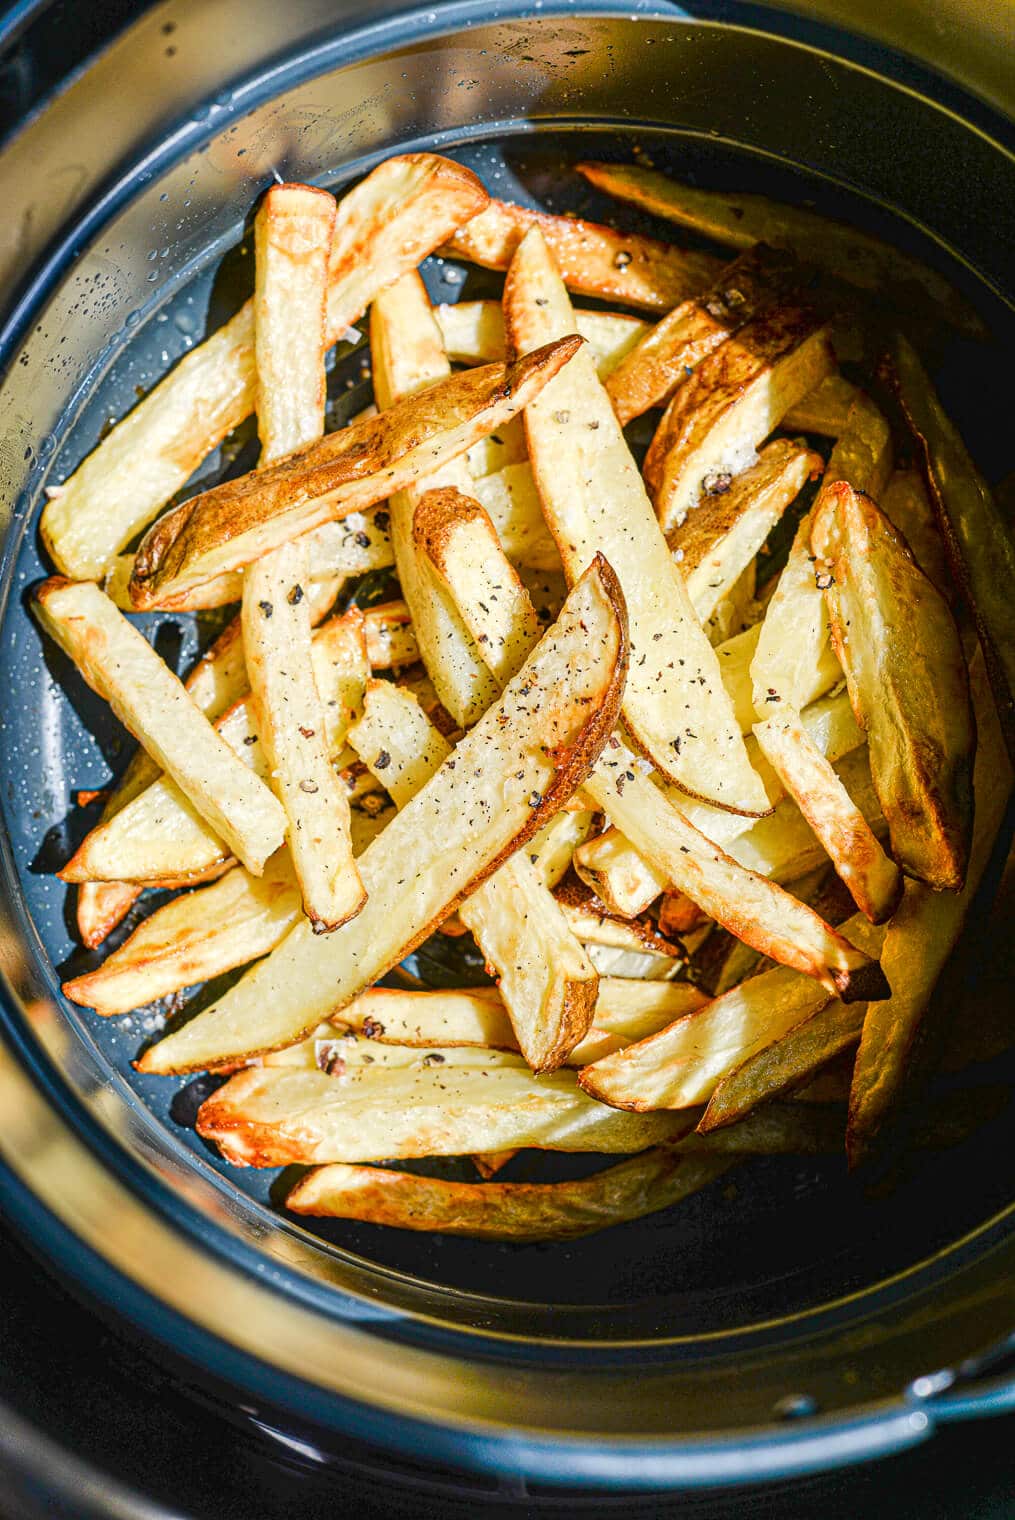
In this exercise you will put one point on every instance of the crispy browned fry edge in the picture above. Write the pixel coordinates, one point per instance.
(977, 542)
(351, 469)
(654, 276)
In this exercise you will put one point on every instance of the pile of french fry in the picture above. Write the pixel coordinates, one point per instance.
(593, 732)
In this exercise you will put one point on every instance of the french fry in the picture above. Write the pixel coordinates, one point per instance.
(593, 260)
(118, 663)
(655, 1180)
(562, 704)
(919, 941)
(511, 498)
(273, 1116)
(874, 881)
(495, 452)
(785, 1064)
(668, 354)
(236, 522)
(977, 541)
(823, 410)
(293, 234)
(390, 636)
(719, 540)
(473, 333)
(408, 356)
(739, 220)
(400, 212)
(674, 705)
(774, 1129)
(906, 503)
(546, 980)
(715, 422)
(907, 681)
(159, 836)
(682, 1065)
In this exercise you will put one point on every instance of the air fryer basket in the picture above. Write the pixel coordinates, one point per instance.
(785, 1321)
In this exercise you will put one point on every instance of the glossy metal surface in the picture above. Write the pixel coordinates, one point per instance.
(96, 1169)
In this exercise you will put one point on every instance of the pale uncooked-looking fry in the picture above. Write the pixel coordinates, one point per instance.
(918, 942)
(681, 1066)
(655, 1180)
(400, 212)
(907, 681)
(874, 880)
(593, 260)
(674, 705)
(408, 356)
(118, 662)
(292, 239)
(546, 980)
(732, 401)
(977, 540)
(629, 883)
(511, 498)
(390, 635)
(473, 333)
(719, 540)
(159, 835)
(497, 450)
(481, 805)
(739, 220)
(747, 903)
(351, 470)
(272, 1116)
(667, 355)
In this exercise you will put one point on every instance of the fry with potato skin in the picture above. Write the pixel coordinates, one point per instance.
(118, 662)
(236, 522)
(434, 842)
(907, 681)
(593, 260)
(594, 500)
(655, 1180)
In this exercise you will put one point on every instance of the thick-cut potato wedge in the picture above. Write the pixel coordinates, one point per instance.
(292, 237)
(874, 881)
(740, 220)
(715, 423)
(977, 540)
(159, 836)
(674, 705)
(473, 333)
(628, 882)
(238, 521)
(918, 942)
(748, 904)
(546, 980)
(644, 1185)
(907, 680)
(408, 356)
(119, 663)
(718, 541)
(524, 757)
(906, 503)
(273, 1116)
(666, 356)
(593, 260)
(823, 410)
(386, 225)
(293, 731)
(511, 498)
(455, 535)
(774, 1129)
(682, 1065)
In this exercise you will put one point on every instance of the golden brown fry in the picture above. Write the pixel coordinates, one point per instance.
(473, 333)
(667, 355)
(400, 212)
(918, 942)
(977, 541)
(674, 705)
(906, 504)
(593, 260)
(716, 421)
(907, 681)
(647, 1183)
(513, 770)
(238, 521)
(118, 662)
(823, 410)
